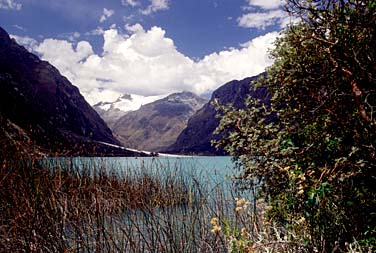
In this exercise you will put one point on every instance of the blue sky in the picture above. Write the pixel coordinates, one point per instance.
(147, 47)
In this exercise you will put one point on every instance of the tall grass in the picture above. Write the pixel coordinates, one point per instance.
(52, 207)
(94, 207)
(57, 206)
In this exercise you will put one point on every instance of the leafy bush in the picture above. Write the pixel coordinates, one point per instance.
(317, 161)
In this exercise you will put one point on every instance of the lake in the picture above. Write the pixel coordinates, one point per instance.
(202, 186)
(216, 168)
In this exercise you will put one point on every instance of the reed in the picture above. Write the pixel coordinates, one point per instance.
(90, 206)
(63, 207)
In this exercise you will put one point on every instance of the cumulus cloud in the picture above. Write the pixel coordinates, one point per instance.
(132, 3)
(262, 20)
(29, 43)
(266, 4)
(106, 14)
(97, 31)
(134, 28)
(263, 13)
(64, 56)
(10, 5)
(147, 63)
(156, 5)
(74, 36)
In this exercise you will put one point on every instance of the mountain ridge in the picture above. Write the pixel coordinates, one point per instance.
(197, 136)
(156, 125)
(51, 111)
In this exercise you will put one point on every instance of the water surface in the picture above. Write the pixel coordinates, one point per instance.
(216, 167)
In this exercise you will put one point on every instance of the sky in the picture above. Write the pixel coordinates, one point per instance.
(147, 47)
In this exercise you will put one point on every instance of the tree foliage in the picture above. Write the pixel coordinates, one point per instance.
(317, 160)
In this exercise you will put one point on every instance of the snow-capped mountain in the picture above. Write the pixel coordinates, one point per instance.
(127, 102)
(156, 125)
(113, 108)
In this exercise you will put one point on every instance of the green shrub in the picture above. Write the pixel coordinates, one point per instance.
(317, 161)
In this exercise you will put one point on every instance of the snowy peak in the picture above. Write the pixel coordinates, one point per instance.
(187, 98)
(125, 102)
(156, 125)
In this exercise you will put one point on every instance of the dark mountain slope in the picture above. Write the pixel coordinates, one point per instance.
(196, 137)
(51, 111)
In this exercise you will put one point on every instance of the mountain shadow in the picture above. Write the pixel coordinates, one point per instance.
(50, 111)
(197, 136)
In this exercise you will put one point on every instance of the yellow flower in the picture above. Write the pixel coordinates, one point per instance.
(300, 192)
(243, 232)
(246, 204)
(292, 175)
(286, 168)
(216, 229)
(240, 202)
(301, 220)
(268, 208)
(302, 177)
(238, 209)
(214, 221)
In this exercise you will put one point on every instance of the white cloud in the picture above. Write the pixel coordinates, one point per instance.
(96, 31)
(266, 4)
(262, 20)
(29, 43)
(71, 36)
(134, 28)
(106, 14)
(147, 63)
(156, 5)
(218, 68)
(20, 28)
(10, 5)
(132, 3)
(263, 13)
(74, 36)
(64, 56)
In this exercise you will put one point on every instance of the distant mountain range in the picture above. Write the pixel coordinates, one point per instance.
(196, 137)
(156, 125)
(111, 110)
(181, 123)
(42, 106)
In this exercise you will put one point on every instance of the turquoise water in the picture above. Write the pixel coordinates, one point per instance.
(219, 167)
(213, 172)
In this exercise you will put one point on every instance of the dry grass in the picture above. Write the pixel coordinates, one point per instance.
(51, 208)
